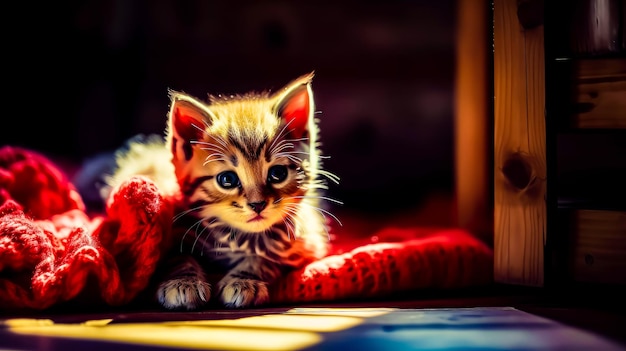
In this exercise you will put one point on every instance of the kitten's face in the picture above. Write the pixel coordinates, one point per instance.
(248, 193)
(240, 162)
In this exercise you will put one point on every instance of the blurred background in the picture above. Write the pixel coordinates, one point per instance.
(81, 77)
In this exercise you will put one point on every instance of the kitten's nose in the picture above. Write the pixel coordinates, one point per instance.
(257, 206)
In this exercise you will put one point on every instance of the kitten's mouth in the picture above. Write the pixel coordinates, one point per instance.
(256, 219)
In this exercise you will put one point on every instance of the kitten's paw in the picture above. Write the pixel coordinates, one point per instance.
(239, 293)
(185, 294)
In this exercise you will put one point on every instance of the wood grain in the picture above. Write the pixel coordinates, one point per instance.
(600, 93)
(597, 247)
(519, 149)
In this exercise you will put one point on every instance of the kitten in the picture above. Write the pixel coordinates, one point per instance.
(248, 173)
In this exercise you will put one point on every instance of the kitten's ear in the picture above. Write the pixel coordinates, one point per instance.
(295, 105)
(187, 121)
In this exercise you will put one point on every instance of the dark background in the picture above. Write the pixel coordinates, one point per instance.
(81, 77)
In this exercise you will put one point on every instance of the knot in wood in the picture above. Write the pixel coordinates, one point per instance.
(530, 13)
(518, 171)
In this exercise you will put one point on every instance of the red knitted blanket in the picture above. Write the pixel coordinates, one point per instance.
(52, 250)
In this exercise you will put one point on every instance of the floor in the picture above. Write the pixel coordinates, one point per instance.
(496, 318)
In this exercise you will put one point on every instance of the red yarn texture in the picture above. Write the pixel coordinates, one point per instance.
(52, 251)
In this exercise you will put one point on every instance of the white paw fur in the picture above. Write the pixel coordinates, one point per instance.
(183, 294)
(239, 293)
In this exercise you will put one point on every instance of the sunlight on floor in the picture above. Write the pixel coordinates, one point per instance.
(333, 329)
(292, 330)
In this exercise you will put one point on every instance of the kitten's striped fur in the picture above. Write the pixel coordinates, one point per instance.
(250, 178)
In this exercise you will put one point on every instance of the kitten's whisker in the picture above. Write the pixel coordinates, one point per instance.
(205, 143)
(295, 140)
(221, 141)
(182, 240)
(289, 156)
(290, 219)
(322, 212)
(196, 224)
(198, 235)
(223, 159)
(294, 152)
(213, 160)
(215, 148)
(290, 142)
(290, 226)
(206, 227)
(333, 177)
(283, 143)
(203, 130)
(279, 135)
(316, 197)
(282, 146)
(221, 148)
(214, 154)
(292, 209)
(183, 213)
(211, 223)
(318, 185)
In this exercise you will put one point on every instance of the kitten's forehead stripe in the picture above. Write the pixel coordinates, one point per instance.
(268, 155)
(237, 144)
(234, 160)
(248, 147)
(260, 148)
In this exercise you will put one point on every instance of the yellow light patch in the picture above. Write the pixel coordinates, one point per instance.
(187, 337)
(26, 322)
(295, 329)
(282, 322)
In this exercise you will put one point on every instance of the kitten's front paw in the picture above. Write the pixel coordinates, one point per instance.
(185, 294)
(239, 293)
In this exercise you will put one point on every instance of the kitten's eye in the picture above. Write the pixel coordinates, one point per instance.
(277, 174)
(228, 180)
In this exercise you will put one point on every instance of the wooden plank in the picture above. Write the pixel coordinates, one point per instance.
(472, 121)
(519, 149)
(600, 93)
(595, 27)
(598, 247)
(623, 25)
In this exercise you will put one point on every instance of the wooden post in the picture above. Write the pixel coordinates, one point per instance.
(473, 120)
(519, 143)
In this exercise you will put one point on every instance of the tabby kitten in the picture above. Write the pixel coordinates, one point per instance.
(248, 171)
